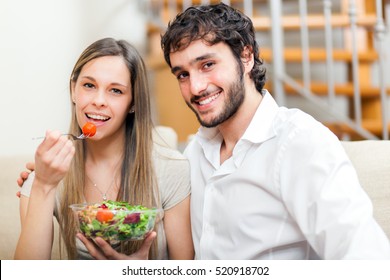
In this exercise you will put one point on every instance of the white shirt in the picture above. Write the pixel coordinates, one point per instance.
(289, 191)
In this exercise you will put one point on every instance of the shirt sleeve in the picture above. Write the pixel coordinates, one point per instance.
(321, 191)
(173, 176)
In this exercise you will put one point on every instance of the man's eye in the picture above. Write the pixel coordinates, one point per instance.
(181, 76)
(208, 64)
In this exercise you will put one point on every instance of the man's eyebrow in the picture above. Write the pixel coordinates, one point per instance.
(197, 59)
(175, 69)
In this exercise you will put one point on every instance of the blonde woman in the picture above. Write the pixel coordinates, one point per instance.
(109, 88)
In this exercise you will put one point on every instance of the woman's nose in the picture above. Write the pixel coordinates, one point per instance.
(100, 98)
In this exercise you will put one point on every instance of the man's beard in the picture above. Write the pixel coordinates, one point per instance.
(235, 97)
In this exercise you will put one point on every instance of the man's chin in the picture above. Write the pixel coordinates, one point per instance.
(207, 123)
(203, 120)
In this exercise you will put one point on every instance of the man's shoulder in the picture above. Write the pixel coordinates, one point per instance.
(295, 119)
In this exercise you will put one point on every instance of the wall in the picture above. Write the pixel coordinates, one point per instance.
(40, 42)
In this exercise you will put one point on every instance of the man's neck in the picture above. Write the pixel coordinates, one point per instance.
(234, 128)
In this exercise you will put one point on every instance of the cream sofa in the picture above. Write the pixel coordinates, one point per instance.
(371, 160)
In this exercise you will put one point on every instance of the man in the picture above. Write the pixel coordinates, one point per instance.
(267, 182)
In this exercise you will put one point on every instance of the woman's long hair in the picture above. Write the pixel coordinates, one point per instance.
(138, 183)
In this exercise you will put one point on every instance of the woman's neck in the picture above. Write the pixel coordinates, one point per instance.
(103, 170)
(108, 150)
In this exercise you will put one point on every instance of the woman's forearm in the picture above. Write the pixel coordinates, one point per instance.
(36, 237)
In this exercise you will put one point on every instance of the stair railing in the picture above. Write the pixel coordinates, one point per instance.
(380, 31)
(355, 63)
(329, 51)
(280, 77)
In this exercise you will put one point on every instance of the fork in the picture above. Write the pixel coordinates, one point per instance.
(74, 137)
(82, 136)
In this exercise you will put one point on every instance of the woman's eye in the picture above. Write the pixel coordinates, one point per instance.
(88, 85)
(117, 91)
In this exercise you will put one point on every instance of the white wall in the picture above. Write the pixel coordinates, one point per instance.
(40, 42)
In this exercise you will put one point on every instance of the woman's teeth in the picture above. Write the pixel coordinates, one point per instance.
(97, 117)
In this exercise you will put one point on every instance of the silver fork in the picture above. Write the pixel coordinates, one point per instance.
(74, 137)
(80, 137)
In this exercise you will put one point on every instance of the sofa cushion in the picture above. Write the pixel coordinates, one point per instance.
(371, 159)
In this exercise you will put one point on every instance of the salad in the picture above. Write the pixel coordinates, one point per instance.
(115, 221)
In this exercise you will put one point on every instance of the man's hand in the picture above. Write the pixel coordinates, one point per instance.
(30, 166)
(101, 250)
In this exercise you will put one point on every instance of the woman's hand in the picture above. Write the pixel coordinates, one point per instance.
(101, 250)
(53, 158)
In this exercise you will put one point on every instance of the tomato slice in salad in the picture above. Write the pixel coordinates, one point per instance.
(89, 129)
(104, 215)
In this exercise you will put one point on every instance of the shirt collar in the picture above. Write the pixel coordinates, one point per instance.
(259, 130)
(261, 127)
(210, 140)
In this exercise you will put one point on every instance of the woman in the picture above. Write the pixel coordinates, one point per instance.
(108, 88)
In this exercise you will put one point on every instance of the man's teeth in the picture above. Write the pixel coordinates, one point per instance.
(98, 117)
(209, 99)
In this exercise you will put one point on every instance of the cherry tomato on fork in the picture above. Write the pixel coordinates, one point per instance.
(89, 129)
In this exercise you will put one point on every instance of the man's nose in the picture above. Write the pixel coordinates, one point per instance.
(198, 84)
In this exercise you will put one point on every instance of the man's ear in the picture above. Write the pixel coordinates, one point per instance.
(247, 58)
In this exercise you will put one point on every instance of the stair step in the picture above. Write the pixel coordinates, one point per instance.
(373, 126)
(318, 54)
(321, 89)
(314, 21)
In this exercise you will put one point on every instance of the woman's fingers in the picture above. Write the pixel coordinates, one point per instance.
(100, 249)
(30, 166)
(93, 250)
(61, 160)
(50, 147)
(107, 250)
(53, 158)
(143, 252)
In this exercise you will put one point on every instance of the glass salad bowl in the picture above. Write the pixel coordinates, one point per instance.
(115, 221)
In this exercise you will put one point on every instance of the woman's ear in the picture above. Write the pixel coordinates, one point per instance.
(72, 94)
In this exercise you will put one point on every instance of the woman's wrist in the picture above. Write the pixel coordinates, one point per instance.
(43, 187)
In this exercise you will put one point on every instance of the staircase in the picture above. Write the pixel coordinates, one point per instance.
(330, 62)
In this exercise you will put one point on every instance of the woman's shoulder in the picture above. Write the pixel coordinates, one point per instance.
(166, 154)
(173, 175)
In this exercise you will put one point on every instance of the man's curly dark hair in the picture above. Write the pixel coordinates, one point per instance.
(214, 24)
